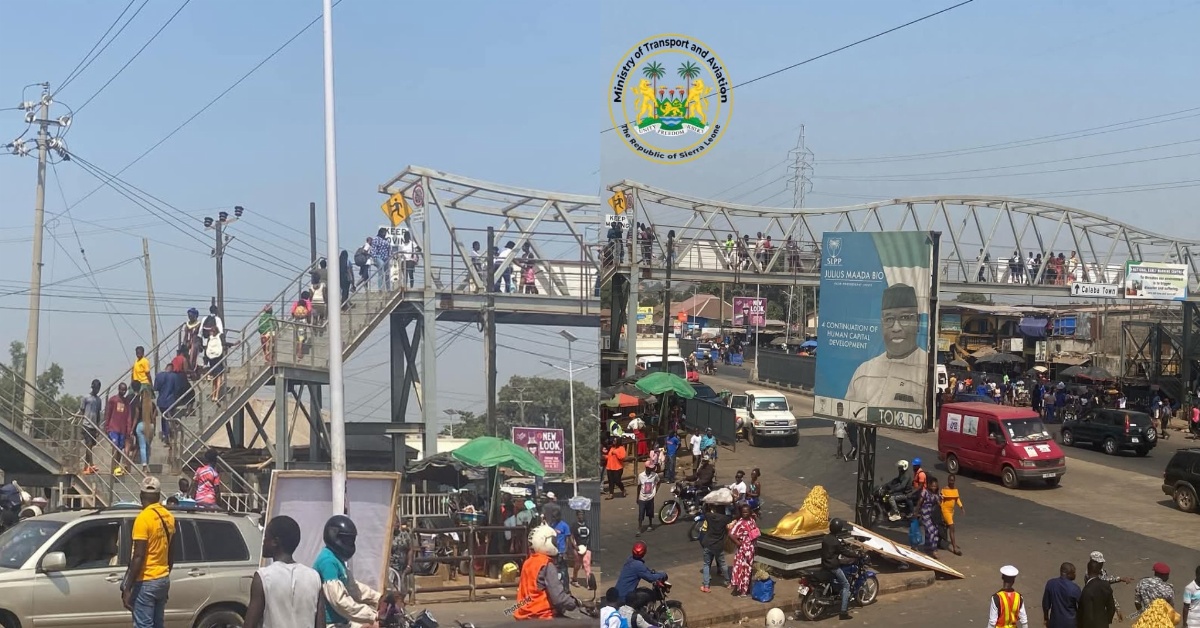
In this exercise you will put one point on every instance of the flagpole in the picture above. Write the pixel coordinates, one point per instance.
(333, 300)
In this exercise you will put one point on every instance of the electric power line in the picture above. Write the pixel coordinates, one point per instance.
(79, 70)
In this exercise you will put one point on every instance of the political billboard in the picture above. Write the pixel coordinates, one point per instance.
(545, 444)
(1150, 280)
(873, 331)
(749, 312)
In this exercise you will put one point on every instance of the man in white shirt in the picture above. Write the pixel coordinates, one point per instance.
(694, 441)
(506, 278)
(1191, 602)
(609, 615)
(647, 487)
(284, 594)
(739, 487)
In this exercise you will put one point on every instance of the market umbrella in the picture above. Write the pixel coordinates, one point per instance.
(660, 382)
(808, 344)
(624, 387)
(1071, 371)
(959, 364)
(1095, 373)
(1036, 370)
(442, 468)
(489, 452)
(999, 358)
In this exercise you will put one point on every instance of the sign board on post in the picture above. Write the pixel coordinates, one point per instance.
(749, 312)
(645, 315)
(544, 444)
(396, 209)
(1097, 290)
(872, 356)
(618, 202)
(1150, 280)
(609, 219)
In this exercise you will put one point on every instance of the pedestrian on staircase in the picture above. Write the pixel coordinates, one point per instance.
(116, 422)
(168, 387)
(381, 253)
(90, 407)
(206, 485)
(345, 277)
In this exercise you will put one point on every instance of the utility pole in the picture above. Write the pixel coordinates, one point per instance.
(150, 298)
(218, 253)
(44, 144)
(312, 233)
(667, 302)
(489, 334)
(521, 403)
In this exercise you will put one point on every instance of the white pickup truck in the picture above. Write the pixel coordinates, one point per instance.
(769, 417)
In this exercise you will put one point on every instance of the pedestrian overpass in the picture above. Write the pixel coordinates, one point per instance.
(448, 213)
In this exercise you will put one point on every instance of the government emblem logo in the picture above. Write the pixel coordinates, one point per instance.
(670, 99)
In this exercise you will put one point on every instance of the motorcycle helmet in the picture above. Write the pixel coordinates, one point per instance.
(639, 550)
(916, 462)
(775, 618)
(340, 535)
(837, 526)
(902, 465)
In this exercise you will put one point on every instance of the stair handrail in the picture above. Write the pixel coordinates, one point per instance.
(238, 477)
(155, 353)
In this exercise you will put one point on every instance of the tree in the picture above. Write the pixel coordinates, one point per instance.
(654, 71)
(52, 403)
(687, 72)
(550, 407)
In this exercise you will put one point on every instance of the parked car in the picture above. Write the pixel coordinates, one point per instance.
(1005, 441)
(769, 417)
(706, 392)
(1111, 429)
(1181, 480)
(65, 569)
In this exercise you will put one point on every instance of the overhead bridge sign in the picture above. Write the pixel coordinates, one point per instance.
(1096, 290)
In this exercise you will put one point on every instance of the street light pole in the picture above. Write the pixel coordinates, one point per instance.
(570, 338)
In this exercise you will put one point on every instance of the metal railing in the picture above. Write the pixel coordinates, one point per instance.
(520, 536)
(415, 506)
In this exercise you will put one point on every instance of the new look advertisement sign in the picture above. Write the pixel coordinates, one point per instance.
(873, 335)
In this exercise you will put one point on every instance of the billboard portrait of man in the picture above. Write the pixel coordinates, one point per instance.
(894, 378)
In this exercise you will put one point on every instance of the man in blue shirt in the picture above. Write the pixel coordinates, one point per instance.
(707, 441)
(167, 389)
(552, 515)
(1060, 599)
(672, 448)
(635, 570)
(347, 601)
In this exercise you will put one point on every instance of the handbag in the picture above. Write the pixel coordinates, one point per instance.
(916, 536)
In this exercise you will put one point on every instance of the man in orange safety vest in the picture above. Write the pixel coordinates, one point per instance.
(1008, 609)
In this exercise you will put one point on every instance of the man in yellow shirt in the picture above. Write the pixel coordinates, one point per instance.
(141, 370)
(144, 591)
(142, 388)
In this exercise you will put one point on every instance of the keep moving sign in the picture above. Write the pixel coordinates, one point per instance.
(873, 331)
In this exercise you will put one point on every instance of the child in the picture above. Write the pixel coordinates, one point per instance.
(609, 616)
(949, 499)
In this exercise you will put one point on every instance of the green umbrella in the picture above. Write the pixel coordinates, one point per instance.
(488, 452)
(662, 382)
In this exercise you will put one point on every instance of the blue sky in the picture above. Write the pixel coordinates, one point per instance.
(454, 86)
(985, 73)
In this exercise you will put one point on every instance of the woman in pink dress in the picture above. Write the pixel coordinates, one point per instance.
(744, 531)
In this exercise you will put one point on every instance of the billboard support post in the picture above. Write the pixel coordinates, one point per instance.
(866, 473)
(931, 406)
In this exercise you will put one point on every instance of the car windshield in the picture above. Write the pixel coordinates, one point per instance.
(19, 542)
(704, 392)
(767, 404)
(1020, 430)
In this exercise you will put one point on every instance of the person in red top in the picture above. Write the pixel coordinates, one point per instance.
(116, 418)
(206, 486)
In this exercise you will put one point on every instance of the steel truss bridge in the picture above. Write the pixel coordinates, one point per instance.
(449, 213)
(971, 227)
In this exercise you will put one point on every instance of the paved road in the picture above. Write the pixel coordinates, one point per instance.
(1110, 504)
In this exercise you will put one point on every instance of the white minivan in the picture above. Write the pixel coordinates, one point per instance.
(770, 417)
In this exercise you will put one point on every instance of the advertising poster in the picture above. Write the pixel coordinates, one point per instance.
(873, 336)
(1150, 280)
(645, 316)
(749, 312)
(545, 444)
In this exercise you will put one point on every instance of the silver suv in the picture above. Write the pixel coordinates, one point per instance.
(65, 569)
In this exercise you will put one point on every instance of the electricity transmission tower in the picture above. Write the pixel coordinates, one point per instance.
(802, 161)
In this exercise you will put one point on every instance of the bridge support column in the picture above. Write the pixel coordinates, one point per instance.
(283, 440)
(405, 378)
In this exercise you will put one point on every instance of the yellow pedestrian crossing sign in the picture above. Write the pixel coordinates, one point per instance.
(618, 203)
(396, 209)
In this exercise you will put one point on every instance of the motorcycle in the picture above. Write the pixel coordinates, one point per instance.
(710, 368)
(662, 611)
(878, 508)
(687, 499)
(819, 591)
(699, 527)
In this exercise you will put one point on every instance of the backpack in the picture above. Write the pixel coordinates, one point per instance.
(361, 258)
(614, 620)
(214, 347)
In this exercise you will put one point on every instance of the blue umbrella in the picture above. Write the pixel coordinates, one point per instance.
(808, 343)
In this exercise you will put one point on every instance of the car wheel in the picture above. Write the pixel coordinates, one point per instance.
(794, 441)
(1008, 477)
(1068, 438)
(952, 464)
(1110, 446)
(8, 621)
(1185, 498)
(220, 618)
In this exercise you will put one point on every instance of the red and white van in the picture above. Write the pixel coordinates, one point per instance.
(1009, 442)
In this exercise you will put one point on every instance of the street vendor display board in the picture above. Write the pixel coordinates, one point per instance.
(891, 550)
(873, 337)
(371, 501)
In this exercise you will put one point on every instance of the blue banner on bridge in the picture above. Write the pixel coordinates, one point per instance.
(873, 328)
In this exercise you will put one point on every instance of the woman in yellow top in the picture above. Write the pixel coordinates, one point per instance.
(950, 498)
(1158, 615)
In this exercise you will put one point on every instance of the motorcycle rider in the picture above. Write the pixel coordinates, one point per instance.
(540, 591)
(348, 602)
(833, 549)
(710, 366)
(702, 478)
(900, 487)
(635, 570)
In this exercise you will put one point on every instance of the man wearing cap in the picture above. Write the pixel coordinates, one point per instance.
(1109, 578)
(896, 377)
(1008, 609)
(147, 582)
(1152, 588)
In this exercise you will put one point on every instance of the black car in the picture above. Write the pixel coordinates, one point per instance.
(1111, 429)
(1181, 480)
(706, 392)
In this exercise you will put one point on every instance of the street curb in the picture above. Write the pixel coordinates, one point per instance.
(902, 582)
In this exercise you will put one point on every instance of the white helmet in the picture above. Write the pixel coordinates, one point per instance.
(902, 465)
(775, 618)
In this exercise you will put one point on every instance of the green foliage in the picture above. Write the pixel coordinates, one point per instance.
(51, 403)
(549, 407)
(973, 299)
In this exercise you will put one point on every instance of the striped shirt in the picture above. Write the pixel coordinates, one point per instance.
(207, 480)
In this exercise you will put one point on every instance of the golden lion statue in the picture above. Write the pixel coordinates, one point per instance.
(813, 516)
